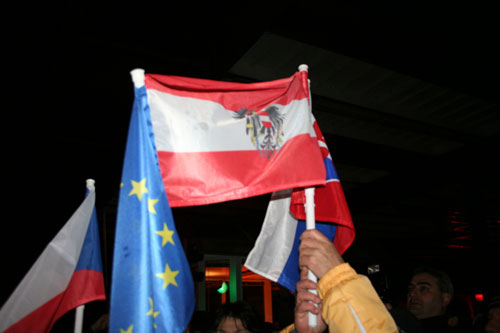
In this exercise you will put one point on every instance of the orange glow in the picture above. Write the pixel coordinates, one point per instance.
(216, 273)
(222, 274)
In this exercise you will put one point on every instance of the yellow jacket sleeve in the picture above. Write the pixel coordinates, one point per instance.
(351, 304)
(289, 329)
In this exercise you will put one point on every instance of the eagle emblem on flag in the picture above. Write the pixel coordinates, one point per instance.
(265, 128)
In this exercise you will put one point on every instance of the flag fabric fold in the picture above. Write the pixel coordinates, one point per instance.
(220, 141)
(152, 288)
(67, 274)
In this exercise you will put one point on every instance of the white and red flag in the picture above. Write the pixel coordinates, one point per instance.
(219, 141)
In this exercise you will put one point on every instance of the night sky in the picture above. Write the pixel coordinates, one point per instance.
(69, 93)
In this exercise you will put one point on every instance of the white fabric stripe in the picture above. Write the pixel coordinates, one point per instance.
(52, 272)
(274, 243)
(358, 321)
(322, 144)
(184, 124)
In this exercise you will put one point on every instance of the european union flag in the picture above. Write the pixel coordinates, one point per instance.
(152, 288)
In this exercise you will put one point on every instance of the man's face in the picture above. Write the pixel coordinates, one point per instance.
(424, 298)
(493, 325)
(231, 325)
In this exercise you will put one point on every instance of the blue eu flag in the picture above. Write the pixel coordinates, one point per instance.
(152, 288)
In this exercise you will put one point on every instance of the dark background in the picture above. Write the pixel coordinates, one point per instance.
(422, 188)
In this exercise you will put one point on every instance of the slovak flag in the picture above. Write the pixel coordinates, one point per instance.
(67, 274)
(330, 203)
(276, 251)
(219, 141)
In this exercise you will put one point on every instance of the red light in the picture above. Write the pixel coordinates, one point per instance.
(479, 297)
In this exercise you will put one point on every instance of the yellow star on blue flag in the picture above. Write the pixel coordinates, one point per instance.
(143, 271)
(166, 235)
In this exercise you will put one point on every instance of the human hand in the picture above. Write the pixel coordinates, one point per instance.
(307, 302)
(317, 253)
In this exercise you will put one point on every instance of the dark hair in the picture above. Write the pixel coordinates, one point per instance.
(494, 302)
(444, 281)
(239, 310)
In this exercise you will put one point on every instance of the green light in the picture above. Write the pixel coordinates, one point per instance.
(222, 288)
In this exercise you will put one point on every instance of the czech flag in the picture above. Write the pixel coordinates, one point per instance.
(67, 274)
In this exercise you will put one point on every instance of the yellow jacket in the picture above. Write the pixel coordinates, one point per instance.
(351, 304)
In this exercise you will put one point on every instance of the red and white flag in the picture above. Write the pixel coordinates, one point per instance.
(220, 141)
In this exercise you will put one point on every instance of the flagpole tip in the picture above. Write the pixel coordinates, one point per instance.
(303, 68)
(137, 77)
(90, 184)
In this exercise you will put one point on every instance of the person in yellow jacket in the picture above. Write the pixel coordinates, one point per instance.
(347, 301)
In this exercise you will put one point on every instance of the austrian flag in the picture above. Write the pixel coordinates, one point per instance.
(220, 141)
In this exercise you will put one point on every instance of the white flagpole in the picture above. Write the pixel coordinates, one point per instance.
(79, 310)
(137, 77)
(79, 319)
(310, 224)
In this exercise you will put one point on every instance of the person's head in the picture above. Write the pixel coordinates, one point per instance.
(237, 317)
(429, 292)
(493, 324)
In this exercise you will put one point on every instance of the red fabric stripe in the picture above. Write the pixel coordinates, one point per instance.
(233, 96)
(330, 206)
(240, 174)
(85, 286)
